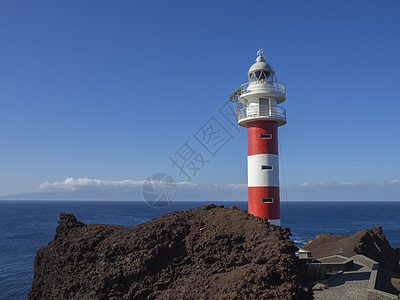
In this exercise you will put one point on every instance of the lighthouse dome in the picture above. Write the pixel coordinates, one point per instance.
(260, 64)
(260, 70)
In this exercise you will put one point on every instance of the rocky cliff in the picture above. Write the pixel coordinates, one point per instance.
(206, 253)
(369, 242)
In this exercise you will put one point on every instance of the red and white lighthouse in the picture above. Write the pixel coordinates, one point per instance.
(257, 109)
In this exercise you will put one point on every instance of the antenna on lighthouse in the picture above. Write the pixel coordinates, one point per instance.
(260, 55)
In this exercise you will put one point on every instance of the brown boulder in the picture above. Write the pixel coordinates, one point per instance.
(369, 242)
(206, 253)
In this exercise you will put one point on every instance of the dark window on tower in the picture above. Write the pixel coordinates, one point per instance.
(266, 167)
(267, 200)
(266, 136)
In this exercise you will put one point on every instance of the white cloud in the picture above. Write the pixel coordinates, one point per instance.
(323, 190)
(75, 184)
(347, 184)
(132, 189)
(236, 185)
(345, 190)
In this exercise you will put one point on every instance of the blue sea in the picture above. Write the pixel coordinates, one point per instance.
(26, 226)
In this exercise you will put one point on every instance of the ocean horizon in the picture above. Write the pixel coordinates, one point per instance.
(28, 225)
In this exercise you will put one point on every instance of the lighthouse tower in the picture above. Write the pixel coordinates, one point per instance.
(257, 109)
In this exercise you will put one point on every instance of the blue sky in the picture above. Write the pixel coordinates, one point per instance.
(111, 90)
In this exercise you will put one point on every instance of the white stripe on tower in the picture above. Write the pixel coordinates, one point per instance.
(263, 170)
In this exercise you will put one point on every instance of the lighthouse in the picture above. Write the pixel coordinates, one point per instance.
(257, 108)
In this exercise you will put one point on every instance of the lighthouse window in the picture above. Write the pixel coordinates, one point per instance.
(265, 167)
(264, 75)
(267, 200)
(266, 136)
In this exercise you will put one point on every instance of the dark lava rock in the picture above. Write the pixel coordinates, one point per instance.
(369, 242)
(205, 253)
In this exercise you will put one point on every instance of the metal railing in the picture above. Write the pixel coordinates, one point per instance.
(271, 87)
(267, 111)
(265, 86)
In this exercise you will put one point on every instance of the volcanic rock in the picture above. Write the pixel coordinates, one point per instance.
(369, 242)
(205, 253)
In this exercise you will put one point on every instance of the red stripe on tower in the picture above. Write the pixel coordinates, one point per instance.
(262, 137)
(265, 209)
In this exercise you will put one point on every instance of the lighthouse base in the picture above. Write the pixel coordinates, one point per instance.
(275, 222)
